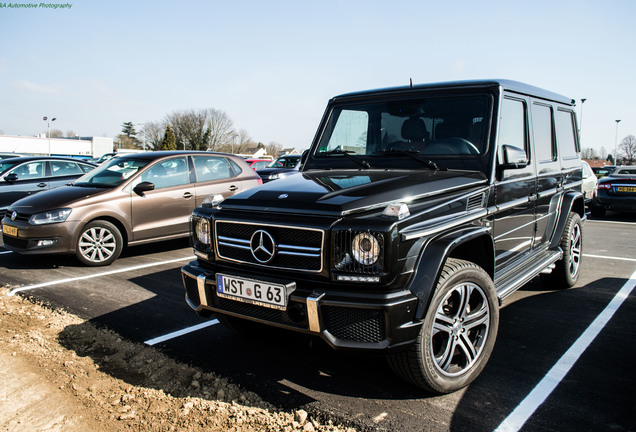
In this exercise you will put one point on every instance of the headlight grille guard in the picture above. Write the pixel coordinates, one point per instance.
(343, 258)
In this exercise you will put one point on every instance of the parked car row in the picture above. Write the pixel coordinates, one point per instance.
(616, 191)
(131, 199)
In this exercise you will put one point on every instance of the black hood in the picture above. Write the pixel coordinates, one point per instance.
(60, 197)
(341, 192)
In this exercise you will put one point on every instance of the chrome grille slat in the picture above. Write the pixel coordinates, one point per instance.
(297, 248)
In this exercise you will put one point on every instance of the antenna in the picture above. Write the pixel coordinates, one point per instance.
(411, 82)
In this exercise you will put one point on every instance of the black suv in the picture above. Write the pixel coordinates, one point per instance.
(417, 211)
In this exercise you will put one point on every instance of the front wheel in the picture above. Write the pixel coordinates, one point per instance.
(458, 333)
(99, 244)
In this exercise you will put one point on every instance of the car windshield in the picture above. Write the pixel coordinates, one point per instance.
(6, 165)
(431, 128)
(284, 162)
(113, 173)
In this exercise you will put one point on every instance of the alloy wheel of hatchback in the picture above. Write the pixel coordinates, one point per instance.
(99, 244)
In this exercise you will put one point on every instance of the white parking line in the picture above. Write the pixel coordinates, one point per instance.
(610, 257)
(178, 333)
(94, 275)
(540, 393)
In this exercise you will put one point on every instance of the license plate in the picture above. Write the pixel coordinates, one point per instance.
(9, 230)
(631, 189)
(253, 291)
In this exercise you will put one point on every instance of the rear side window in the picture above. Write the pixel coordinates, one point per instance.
(542, 133)
(566, 134)
(210, 168)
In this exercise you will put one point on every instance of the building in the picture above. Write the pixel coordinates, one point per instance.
(79, 146)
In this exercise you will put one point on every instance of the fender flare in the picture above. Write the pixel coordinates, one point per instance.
(572, 201)
(433, 256)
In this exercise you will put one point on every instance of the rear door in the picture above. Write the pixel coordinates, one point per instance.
(216, 175)
(164, 211)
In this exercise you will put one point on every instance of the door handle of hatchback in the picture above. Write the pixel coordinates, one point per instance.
(187, 195)
(42, 185)
(233, 188)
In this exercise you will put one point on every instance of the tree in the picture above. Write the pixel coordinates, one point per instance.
(589, 153)
(274, 148)
(56, 133)
(627, 149)
(153, 135)
(221, 129)
(128, 129)
(169, 142)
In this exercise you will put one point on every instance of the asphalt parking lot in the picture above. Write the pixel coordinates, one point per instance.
(563, 359)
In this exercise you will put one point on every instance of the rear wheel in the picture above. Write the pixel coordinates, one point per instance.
(567, 269)
(458, 332)
(99, 244)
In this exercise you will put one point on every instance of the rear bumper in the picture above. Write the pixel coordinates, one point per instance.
(347, 321)
(611, 202)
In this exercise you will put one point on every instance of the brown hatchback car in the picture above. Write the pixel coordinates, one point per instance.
(129, 200)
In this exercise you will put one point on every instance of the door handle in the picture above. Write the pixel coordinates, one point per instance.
(41, 185)
(233, 188)
(187, 195)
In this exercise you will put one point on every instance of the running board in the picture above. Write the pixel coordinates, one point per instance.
(544, 262)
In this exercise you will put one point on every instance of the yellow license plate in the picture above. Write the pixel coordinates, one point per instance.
(631, 189)
(9, 230)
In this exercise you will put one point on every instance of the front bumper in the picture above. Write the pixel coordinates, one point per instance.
(57, 238)
(343, 320)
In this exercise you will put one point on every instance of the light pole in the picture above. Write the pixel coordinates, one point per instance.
(616, 144)
(48, 127)
(581, 122)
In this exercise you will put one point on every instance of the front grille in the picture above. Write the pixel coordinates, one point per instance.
(355, 325)
(17, 243)
(295, 248)
(20, 216)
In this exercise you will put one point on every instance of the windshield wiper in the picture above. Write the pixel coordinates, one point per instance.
(412, 154)
(347, 154)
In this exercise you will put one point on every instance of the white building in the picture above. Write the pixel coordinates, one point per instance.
(79, 146)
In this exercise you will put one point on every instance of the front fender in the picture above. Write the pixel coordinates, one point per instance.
(473, 244)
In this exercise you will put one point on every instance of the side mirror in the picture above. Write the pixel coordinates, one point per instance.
(143, 187)
(303, 157)
(10, 178)
(511, 157)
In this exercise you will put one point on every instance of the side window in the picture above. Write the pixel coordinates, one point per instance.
(62, 168)
(512, 125)
(212, 168)
(349, 133)
(27, 171)
(167, 173)
(542, 132)
(566, 134)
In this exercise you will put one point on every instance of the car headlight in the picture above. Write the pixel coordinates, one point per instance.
(49, 217)
(202, 230)
(365, 248)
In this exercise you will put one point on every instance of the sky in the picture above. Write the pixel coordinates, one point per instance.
(273, 65)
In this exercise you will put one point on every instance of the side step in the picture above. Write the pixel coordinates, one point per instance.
(514, 279)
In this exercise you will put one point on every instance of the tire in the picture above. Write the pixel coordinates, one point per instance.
(99, 244)
(458, 333)
(567, 269)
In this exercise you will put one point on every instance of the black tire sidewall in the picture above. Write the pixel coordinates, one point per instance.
(467, 272)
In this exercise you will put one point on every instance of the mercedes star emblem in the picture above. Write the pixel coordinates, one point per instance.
(263, 246)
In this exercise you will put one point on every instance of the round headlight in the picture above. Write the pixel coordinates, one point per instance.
(365, 248)
(203, 231)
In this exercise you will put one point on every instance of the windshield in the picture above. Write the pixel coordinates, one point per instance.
(432, 128)
(113, 173)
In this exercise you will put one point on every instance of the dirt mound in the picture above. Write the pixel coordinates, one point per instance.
(61, 373)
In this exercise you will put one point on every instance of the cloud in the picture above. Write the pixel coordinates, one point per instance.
(38, 88)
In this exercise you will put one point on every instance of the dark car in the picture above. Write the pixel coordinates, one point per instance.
(132, 199)
(22, 176)
(282, 167)
(417, 211)
(616, 192)
(10, 155)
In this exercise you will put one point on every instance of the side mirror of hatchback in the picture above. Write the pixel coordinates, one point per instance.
(143, 187)
(10, 178)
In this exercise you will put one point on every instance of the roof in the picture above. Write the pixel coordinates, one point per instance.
(510, 85)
